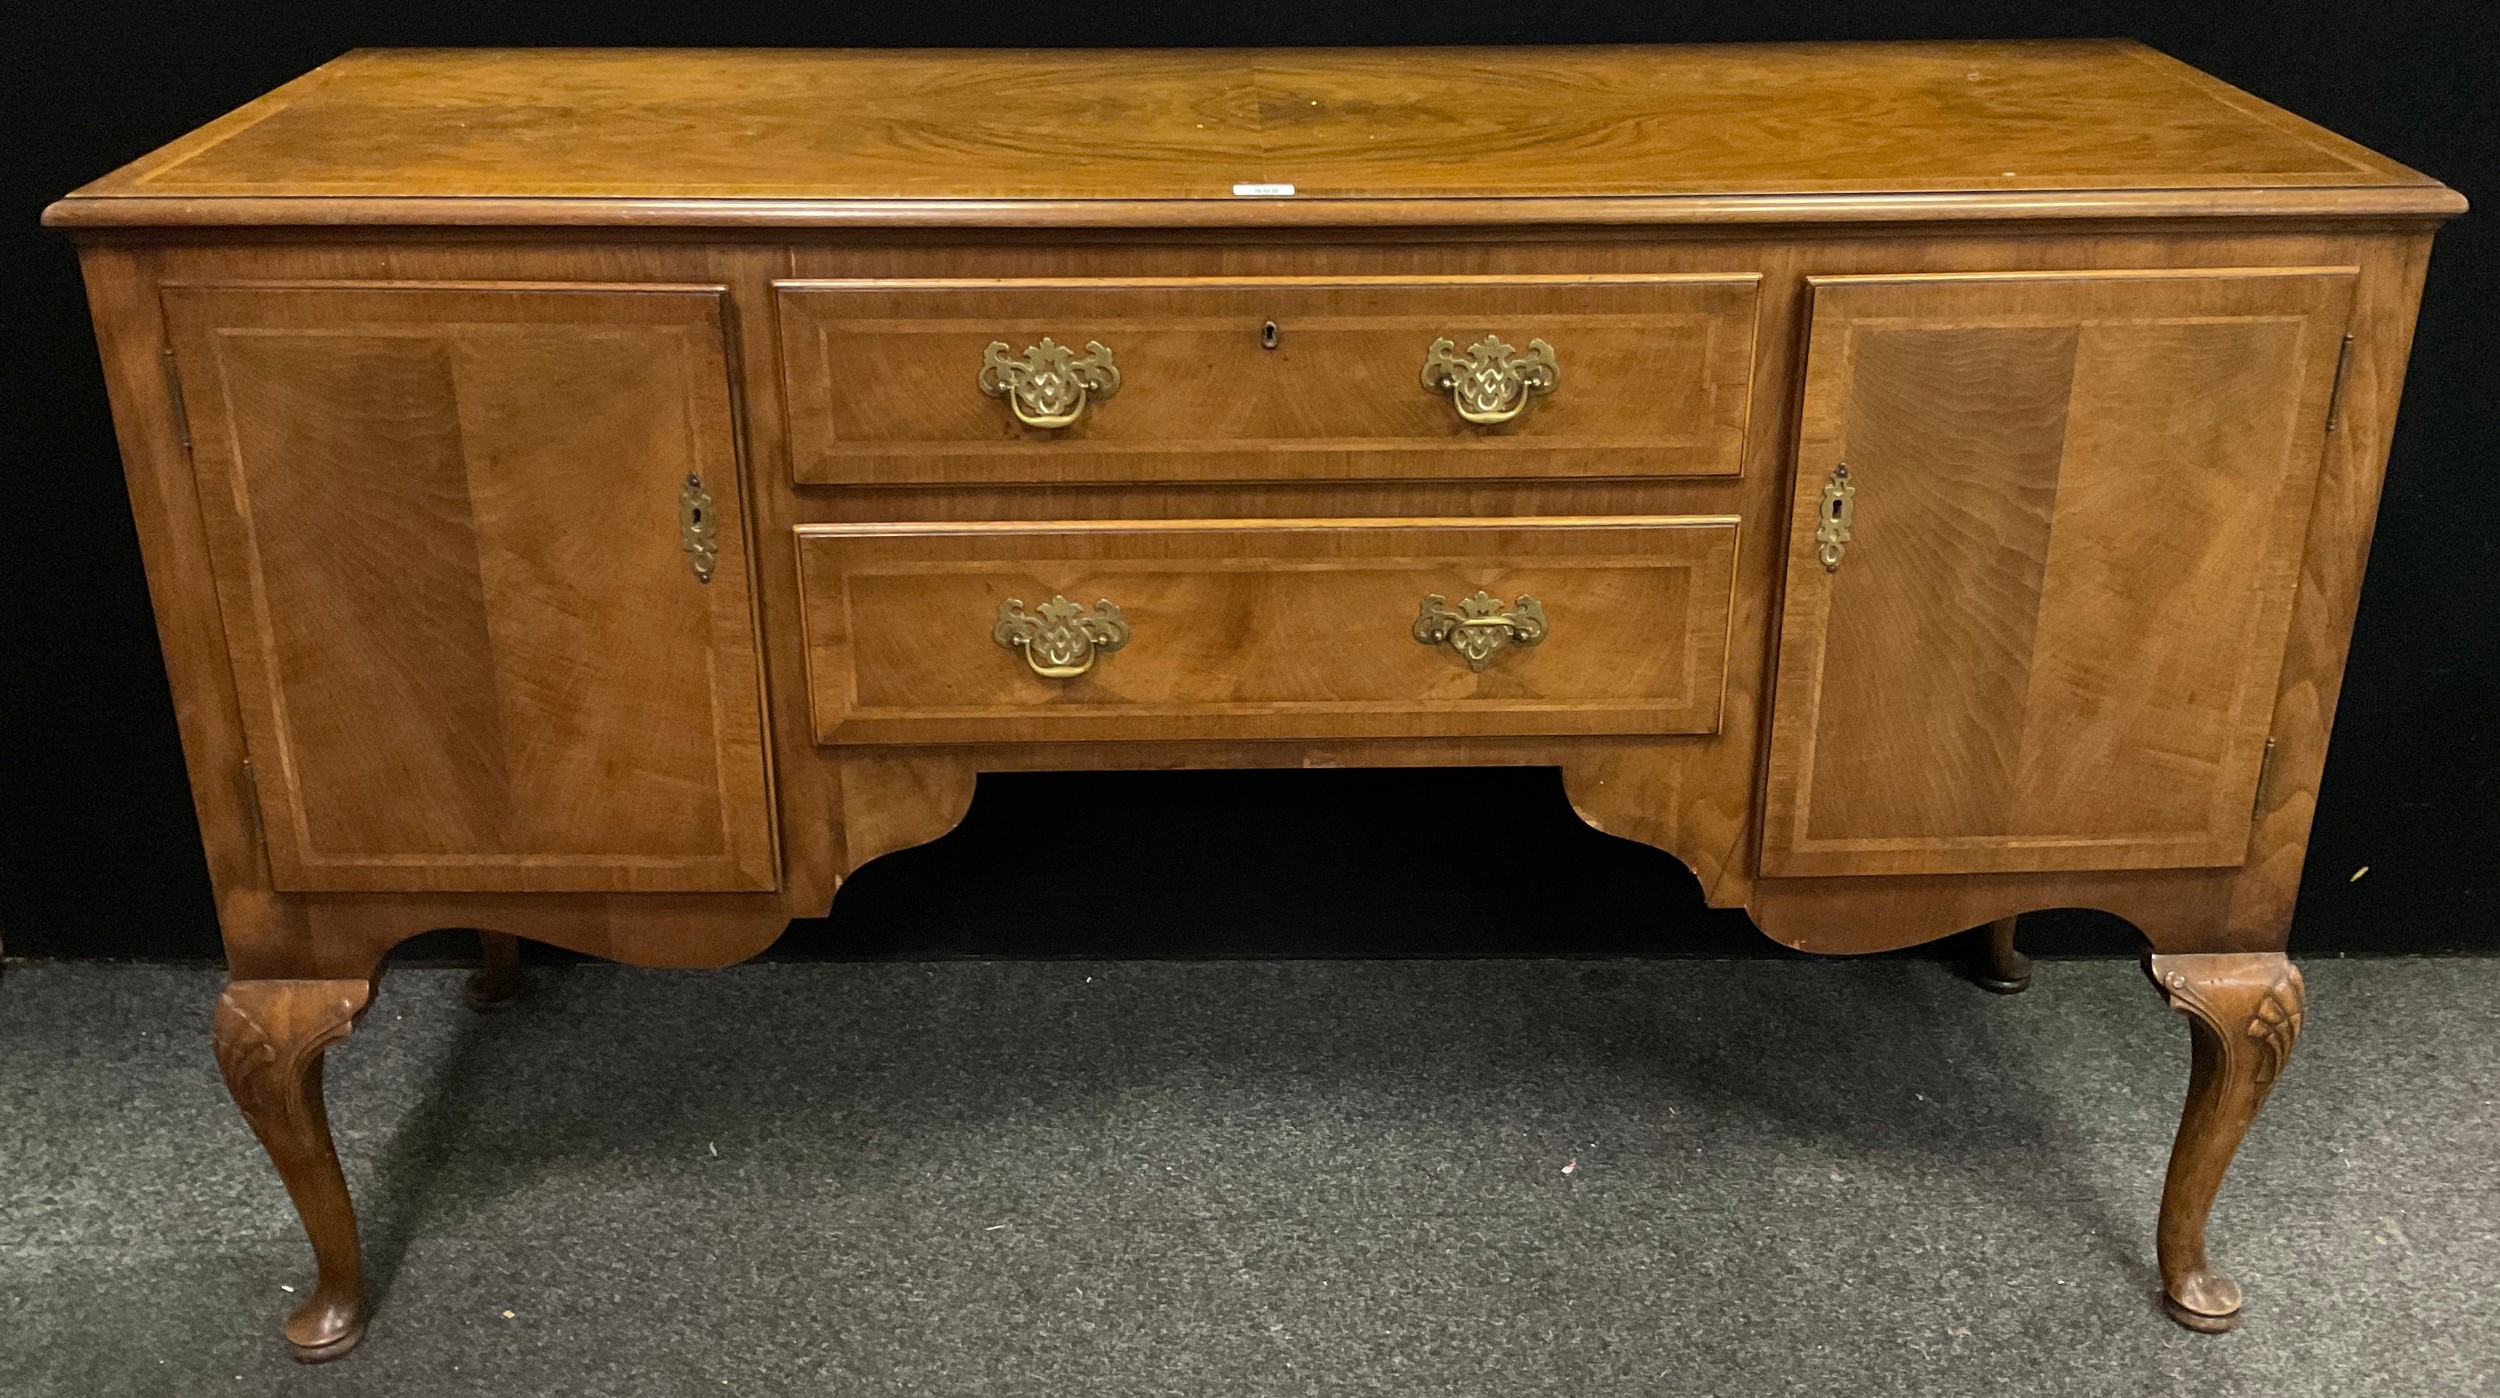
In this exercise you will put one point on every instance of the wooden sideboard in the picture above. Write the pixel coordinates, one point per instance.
(609, 496)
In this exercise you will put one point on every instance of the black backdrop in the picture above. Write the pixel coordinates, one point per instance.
(102, 858)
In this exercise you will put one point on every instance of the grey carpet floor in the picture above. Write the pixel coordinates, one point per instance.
(1088, 1179)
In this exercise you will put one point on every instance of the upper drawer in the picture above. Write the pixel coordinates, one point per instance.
(885, 379)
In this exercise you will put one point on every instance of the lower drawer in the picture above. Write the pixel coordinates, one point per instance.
(1172, 630)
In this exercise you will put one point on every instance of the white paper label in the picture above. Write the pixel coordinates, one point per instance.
(1263, 191)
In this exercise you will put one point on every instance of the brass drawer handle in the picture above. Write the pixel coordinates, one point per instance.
(1048, 386)
(1494, 382)
(1479, 627)
(1832, 516)
(1059, 638)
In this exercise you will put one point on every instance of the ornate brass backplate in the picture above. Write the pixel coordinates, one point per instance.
(1048, 386)
(1831, 529)
(1059, 638)
(1479, 628)
(1493, 382)
(696, 533)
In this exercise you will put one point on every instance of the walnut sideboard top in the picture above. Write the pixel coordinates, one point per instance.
(1175, 138)
(609, 496)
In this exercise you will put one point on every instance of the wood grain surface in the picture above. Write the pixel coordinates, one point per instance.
(1695, 797)
(469, 646)
(1269, 629)
(1361, 134)
(882, 378)
(2054, 639)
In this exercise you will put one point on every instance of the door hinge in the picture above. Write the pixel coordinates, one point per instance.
(2265, 778)
(2335, 395)
(251, 805)
(173, 387)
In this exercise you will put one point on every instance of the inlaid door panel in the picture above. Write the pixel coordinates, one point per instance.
(471, 649)
(2075, 506)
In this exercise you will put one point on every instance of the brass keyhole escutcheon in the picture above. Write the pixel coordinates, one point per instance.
(1832, 517)
(697, 534)
(1269, 335)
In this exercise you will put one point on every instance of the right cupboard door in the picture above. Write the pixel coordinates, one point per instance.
(2073, 508)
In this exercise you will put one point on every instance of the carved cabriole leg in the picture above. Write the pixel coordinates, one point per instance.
(2244, 1011)
(498, 976)
(270, 1038)
(1997, 965)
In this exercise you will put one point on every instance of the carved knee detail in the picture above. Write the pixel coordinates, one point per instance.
(270, 1037)
(2244, 1012)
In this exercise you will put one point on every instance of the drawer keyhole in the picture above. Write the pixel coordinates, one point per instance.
(1269, 335)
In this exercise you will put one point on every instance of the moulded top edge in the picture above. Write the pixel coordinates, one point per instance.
(133, 211)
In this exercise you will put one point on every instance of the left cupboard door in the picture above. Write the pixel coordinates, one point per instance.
(450, 530)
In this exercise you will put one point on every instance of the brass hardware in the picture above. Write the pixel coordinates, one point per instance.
(1059, 638)
(173, 387)
(1269, 335)
(1479, 627)
(1494, 382)
(2265, 779)
(2335, 396)
(696, 533)
(1831, 528)
(1049, 386)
